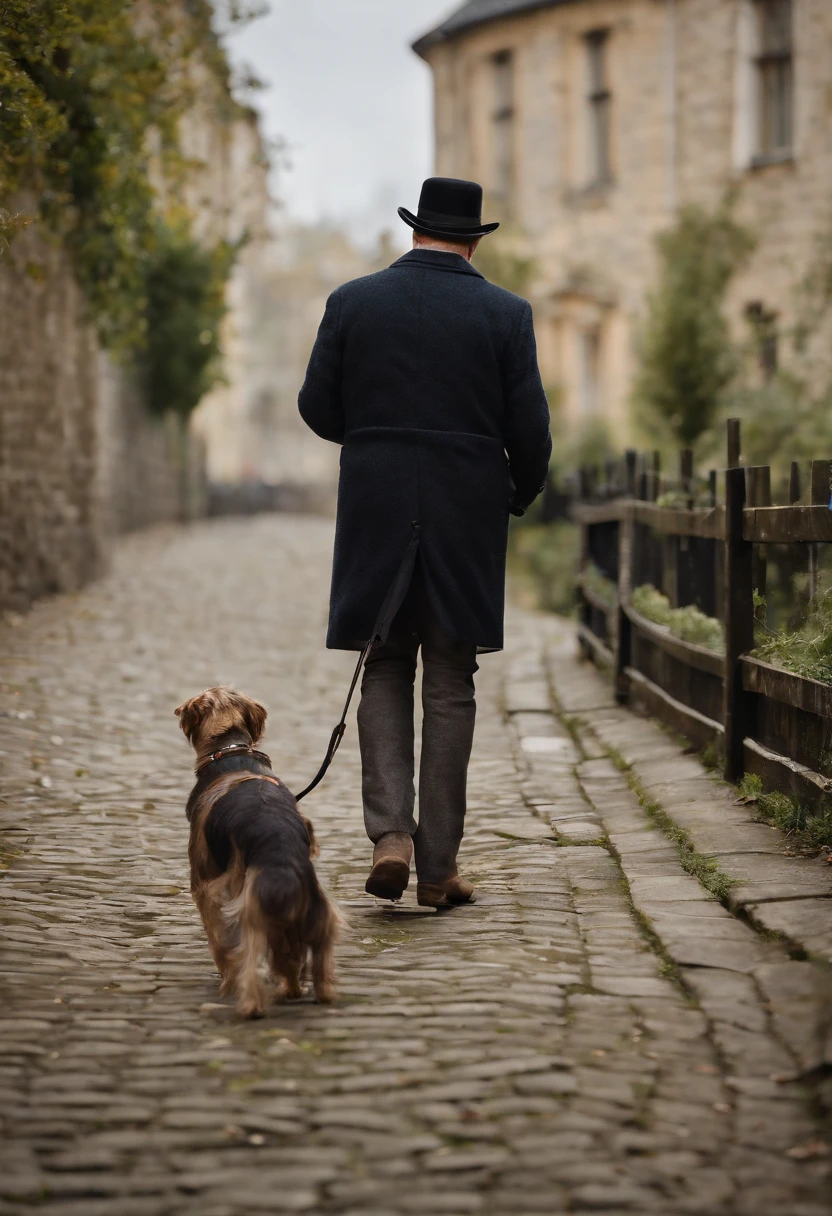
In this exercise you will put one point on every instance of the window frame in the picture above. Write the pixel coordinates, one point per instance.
(598, 101)
(503, 117)
(774, 81)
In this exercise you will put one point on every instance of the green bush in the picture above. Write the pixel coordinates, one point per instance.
(686, 358)
(82, 90)
(689, 624)
(808, 650)
(651, 604)
(604, 587)
(185, 288)
(543, 558)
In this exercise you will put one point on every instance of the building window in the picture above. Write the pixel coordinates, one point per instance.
(774, 77)
(599, 104)
(502, 177)
(589, 399)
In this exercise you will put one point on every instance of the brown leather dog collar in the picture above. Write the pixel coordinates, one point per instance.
(233, 749)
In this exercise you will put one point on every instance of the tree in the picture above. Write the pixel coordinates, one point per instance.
(687, 359)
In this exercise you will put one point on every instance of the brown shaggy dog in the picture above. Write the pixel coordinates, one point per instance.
(252, 876)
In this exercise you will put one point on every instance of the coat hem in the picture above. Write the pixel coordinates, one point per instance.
(358, 645)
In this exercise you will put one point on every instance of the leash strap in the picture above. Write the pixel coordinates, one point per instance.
(381, 630)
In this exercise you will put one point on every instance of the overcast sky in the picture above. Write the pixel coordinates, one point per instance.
(352, 101)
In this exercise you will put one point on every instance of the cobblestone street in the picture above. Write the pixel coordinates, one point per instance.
(548, 1050)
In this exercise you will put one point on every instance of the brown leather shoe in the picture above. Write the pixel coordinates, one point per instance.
(447, 894)
(391, 866)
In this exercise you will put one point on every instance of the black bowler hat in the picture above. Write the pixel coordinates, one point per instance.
(449, 209)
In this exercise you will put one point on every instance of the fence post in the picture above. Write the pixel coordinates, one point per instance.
(630, 458)
(818, 497)
(643, 493)
(583, 559)
(623, 632)
(739, 623)
(734, 453)
(758, 494)
(794, 483)
(686, 474)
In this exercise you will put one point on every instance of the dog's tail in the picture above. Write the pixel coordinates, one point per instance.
(244, 916)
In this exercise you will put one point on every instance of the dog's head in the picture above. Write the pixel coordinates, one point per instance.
(217, 711)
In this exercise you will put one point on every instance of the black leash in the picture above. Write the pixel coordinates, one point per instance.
(392, 604)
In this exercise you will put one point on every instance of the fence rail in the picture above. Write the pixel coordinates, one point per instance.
(638, 527)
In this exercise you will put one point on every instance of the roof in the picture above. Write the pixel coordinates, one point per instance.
(477, 12)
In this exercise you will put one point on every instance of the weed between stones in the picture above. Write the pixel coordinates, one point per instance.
(705, 869)
(808, 830)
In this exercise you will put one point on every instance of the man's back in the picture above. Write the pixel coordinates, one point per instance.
(424, 344)
(427, 374)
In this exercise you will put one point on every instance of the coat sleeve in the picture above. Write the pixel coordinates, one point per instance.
(528, 438)
(320, 402)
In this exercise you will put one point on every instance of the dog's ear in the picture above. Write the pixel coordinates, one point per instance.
(190, 714)
(254, 716)
(314, 847)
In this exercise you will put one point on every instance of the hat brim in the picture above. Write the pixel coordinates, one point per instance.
(441, 231)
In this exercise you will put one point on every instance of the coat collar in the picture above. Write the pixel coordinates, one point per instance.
(436, 259)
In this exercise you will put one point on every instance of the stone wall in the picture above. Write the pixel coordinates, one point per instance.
(80, 458)
(51, 525)
(152, 469)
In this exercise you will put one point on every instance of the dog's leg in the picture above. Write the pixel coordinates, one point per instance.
(287, 964)
(323, 973)
(245, 916)
(209, 901)
(291, 969)
(323, 953)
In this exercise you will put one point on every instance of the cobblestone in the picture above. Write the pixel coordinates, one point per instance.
(532, 1053)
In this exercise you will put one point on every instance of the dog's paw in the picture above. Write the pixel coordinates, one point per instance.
(325, 994)
(251, 1009)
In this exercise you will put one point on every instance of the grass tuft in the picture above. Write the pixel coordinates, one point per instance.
(705, 869)
(810, 830)
(808, 650)
(689, 624)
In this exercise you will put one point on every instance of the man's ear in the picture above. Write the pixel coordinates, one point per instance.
(314, 847)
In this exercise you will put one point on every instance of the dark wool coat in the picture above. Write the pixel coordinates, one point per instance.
(427, 375)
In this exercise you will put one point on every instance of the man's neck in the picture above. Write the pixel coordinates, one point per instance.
(464, 251)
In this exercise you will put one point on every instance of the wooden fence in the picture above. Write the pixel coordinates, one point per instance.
(698, 547)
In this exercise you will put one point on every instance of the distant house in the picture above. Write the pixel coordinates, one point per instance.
(591, 121)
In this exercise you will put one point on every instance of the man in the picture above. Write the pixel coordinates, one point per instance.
(427, 375)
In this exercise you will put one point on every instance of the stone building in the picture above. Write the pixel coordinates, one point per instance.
(296, 275)
(591, 121)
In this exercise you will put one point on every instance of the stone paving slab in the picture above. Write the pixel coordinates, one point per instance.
(716, 952)
(532, 1053)
(768, 885)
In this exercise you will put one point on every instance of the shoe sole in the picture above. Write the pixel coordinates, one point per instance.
(444, 902)
(388, 880)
